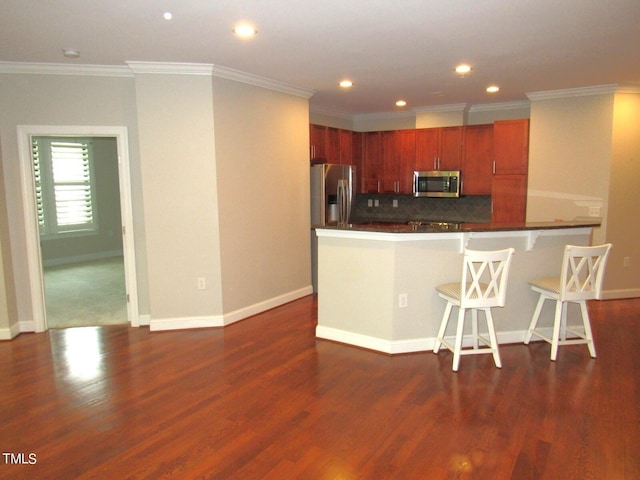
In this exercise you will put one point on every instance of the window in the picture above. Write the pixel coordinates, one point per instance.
(64, 181)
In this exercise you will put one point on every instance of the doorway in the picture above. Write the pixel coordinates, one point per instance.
(97, 256)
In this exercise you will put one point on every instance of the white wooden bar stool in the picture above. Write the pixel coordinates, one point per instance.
(483, 286)
(580, 280)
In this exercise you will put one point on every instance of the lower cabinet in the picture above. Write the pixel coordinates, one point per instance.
(508, 198)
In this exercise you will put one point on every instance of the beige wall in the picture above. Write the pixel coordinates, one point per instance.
(82, 100)
(623, 230)
(584, 152)
(445, 116)
(570, 158)
(262, 141)
(175, 122)
(183, 228)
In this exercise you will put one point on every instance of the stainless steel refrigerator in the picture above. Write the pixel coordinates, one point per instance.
(332, 195)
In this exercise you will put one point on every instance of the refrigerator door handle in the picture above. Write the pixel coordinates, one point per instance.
(344, 200)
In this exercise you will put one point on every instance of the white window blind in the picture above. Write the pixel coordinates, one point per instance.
(65, 193)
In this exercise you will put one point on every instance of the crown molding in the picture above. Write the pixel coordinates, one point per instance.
(573, 92)
(243, 77)
(164, 68)
(65, 69)
(452, 107)
(489, 107)
(629, 88)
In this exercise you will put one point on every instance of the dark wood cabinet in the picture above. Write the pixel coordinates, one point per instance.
(372, 162)
(346, 147)
(509, 198)
(494, 159)
(388, 177)
(330, 145)
(357, 159)
(510, 169)
(511, 147)
(451, 140)
(427, 148)
(439, 148)
(317, 134)
(406, 160)
(477, 160)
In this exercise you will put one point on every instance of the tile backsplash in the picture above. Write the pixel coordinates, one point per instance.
(464, 209)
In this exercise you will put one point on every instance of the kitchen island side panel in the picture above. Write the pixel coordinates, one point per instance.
(361, 281)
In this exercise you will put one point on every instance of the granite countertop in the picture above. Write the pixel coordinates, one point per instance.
(439, 227)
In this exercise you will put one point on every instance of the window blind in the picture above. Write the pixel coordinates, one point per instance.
(63, 180)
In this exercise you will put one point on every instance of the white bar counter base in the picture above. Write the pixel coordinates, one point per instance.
(376, 286)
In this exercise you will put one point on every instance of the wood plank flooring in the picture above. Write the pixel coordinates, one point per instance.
(263, 399)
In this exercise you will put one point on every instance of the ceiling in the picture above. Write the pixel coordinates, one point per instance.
(390, 49)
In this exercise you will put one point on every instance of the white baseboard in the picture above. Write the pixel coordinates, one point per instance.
(87, 257)
(10, 333)
(401, 346)
(161, 324)
(181, 323)
(260, 307)
(620, 294)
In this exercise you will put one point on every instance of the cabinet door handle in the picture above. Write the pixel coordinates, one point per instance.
(494, 167)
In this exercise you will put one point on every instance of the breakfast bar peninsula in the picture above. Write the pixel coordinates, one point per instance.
(376, 280)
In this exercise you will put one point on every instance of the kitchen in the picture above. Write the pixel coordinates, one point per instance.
(376, 274)
(596, 131)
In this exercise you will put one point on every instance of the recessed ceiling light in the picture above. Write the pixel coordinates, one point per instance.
(493, 89)
(401, 103)
(71, 53)
(245, 30)
(463, 69)
(167, 15)
(346, 83)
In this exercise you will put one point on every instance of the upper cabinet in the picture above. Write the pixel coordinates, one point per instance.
(511, 147)
(330, 145)
(406, 143)
(477, 160)
(439, 148)
(317, 134)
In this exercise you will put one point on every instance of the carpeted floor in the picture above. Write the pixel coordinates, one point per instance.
(84, 294)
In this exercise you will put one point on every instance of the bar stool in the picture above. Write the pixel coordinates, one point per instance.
(580, 280)
(483, 286)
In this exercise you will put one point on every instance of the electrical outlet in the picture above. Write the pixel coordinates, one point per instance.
(370, 203)
(594, 211)
(376, 203)
(626, 262)
(202, 283)
(403, 300)
(395, 203)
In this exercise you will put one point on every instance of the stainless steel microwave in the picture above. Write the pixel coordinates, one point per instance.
(436, 183)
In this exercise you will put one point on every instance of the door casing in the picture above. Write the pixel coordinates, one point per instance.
(34, 254)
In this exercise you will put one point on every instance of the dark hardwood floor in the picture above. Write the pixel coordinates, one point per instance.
(263, 399)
